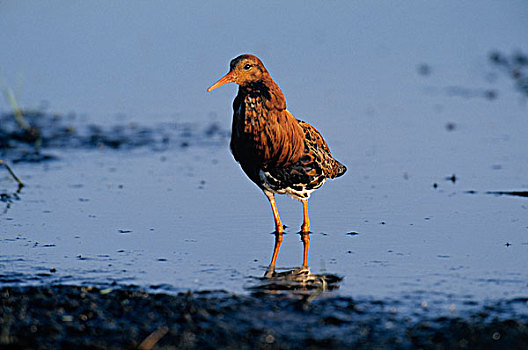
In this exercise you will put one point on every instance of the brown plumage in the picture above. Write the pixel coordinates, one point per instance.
(281, 154)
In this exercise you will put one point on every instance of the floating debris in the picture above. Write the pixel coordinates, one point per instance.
(502, 193)
(10, 197)
(12, 173)
(450, 126)
(509, 193)
(452, 178)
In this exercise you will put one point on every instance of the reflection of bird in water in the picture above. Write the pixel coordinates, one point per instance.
(279, 153)
(297, 281)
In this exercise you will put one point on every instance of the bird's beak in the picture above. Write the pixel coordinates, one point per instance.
(228, 78)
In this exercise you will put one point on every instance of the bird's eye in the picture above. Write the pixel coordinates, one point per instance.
(247, 66)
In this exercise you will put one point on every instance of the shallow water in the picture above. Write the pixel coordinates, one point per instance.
(426, 123)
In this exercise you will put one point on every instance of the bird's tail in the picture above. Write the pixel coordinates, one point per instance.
(339, 169)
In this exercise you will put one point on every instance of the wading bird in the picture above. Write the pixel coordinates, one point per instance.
(279, 153)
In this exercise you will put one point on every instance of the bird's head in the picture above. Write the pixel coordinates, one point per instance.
(244, 70)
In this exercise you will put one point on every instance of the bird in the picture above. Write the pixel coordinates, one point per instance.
(279, 153)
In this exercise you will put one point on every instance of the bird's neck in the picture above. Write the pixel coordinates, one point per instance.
(264, 132)
(267, 90)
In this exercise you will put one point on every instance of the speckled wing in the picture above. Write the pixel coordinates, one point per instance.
(309, 172)
(319, 152)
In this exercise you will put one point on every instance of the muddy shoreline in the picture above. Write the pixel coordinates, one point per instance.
(125, 318)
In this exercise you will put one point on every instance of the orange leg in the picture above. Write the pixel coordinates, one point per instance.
(278, 242)
(279, 228)
(305, 237)
(278, 224)
(305, 230)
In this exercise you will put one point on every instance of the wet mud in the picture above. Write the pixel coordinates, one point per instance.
(107, 318)
(515, 65)
(40, 132)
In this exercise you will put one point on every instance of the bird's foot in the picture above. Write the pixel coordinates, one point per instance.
(270, 271)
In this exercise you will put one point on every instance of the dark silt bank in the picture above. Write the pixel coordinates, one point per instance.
(88, 317)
